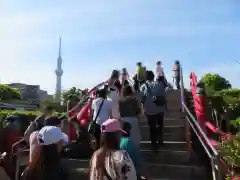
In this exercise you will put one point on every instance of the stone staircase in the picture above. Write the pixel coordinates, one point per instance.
(172, 162)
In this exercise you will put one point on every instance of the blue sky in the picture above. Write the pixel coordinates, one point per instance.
(98, 36)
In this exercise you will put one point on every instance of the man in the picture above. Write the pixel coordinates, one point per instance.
(140, 73)
(74, 126)
(176, 73)
(38, 123)
(159, 69)
(101, 110)
(154, 112)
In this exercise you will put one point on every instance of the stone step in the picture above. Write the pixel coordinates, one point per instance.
(80, 169)
(180, 172)
(177, 114)
(166, 137)
(169, 157)
(174, 130)
(169, 121)
(168, 145)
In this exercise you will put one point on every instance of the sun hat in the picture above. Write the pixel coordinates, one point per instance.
(51, 135)
(111, 125)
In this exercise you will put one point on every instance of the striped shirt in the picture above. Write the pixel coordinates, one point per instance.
(157, 89)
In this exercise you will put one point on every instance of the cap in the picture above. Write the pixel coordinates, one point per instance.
(111, 125)
(51, 135)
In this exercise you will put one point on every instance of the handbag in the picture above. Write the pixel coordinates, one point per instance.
(92, 126)
(158, 100)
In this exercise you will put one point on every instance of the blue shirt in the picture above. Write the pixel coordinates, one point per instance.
(128, 145)
(157, 89)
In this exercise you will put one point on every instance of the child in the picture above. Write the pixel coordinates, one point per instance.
(127, 144)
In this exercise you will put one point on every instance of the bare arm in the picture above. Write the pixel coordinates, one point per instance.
(31, 128)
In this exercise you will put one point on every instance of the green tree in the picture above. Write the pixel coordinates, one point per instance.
(57, 106)
(7, 93)
(215, 82)
(74, 94)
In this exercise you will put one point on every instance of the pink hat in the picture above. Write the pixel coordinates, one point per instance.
(111, 125)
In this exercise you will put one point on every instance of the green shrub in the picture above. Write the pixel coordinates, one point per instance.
(230, 92)
(31, 114)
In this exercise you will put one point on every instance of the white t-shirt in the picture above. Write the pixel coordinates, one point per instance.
(118, 164)
(114, 97)
(104, 112)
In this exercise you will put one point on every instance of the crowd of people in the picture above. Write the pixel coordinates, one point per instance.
(116, 112)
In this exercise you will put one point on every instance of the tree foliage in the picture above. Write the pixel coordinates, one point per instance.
(215, 82)
(8, 93)
(74, 94)
(57, 106)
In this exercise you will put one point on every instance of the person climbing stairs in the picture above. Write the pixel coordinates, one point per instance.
(172, 162)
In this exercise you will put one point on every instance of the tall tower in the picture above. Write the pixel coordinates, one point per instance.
(59, 73)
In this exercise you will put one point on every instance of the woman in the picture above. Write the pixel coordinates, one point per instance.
(125, 77)
(113, 81)
(51, 139)
(101, 111)
(117, 163)
(37, 156)
(130, 109)
(114, 87)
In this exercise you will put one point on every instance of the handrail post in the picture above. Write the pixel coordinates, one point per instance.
(182, 88)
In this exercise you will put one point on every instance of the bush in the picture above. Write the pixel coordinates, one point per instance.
(8, 93)
(230, 151)
(30, 114)
(214, 82)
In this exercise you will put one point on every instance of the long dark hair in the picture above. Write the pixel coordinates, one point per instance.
(127, 91)
(50, 157)
(110, 140)
(127, 128)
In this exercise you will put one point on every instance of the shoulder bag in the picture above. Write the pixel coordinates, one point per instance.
(92, 126)
(158, 100)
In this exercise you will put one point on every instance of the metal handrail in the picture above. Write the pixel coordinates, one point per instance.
(204, 140)
(202, 134)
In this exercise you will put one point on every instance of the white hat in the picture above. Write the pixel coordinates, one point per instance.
(51, 135)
